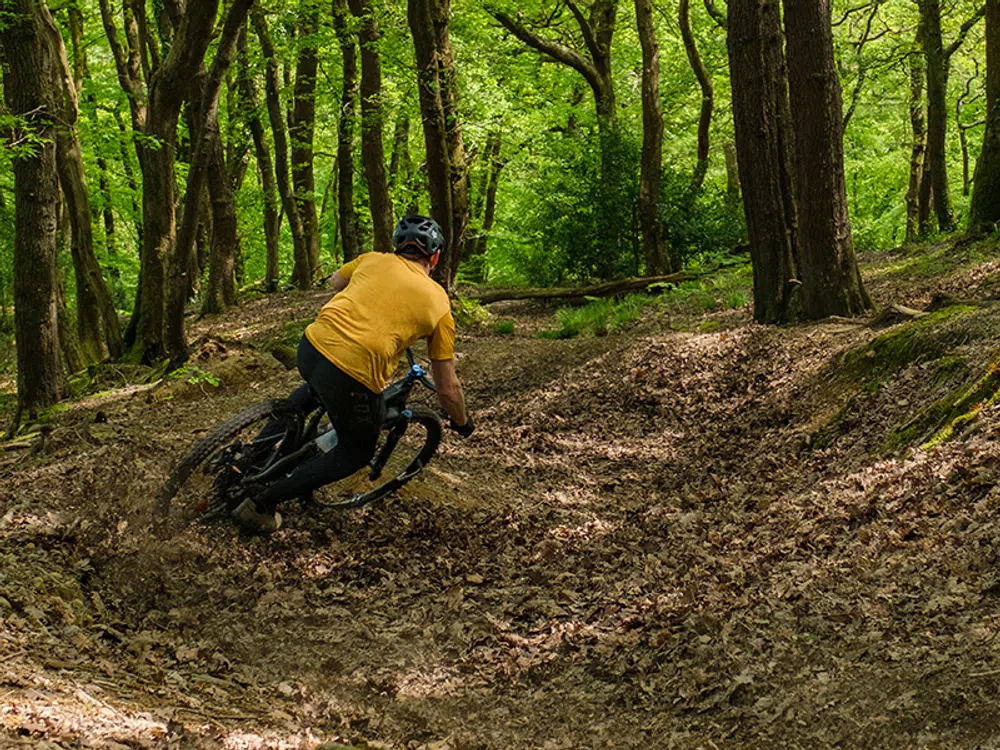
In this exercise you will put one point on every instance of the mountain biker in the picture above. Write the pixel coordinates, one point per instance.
(382, 303)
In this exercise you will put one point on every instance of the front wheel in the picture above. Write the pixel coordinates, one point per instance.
(405, 447)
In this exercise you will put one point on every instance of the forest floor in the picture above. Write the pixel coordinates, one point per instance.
(664, 538)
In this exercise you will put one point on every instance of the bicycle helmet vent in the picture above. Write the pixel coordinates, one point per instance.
(418, 232)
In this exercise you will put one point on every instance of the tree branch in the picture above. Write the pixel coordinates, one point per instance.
(123, 65)
(717, 15)
(560, 52)
(964, 32)
(588, 34)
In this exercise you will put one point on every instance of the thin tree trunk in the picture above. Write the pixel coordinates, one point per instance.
(348, 221)
(831, 281)
(400, 166)
(707, 95)
(491, 199)
(207, 157)
(914, 225)
(130, 178)
(97, 321)
(657, 260)
(29, 71)
(732, 174)
(446, 164)
(221, 291)
(167, 92)
(71, 353)
(937, 112)
(301, 129)
(595, 67)
(278, 133)
(491, 152)
(265, 167)
(80, 73)
(372, 151)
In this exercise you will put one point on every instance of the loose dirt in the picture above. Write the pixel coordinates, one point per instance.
(642, 545)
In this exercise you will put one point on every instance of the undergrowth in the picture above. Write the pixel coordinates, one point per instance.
(726, 289)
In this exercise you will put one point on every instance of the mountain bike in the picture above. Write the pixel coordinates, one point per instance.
(269, 440)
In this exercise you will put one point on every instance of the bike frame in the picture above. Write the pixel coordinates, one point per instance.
(396, 420)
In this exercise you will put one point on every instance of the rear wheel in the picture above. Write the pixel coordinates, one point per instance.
(404, 448)
(227, 456)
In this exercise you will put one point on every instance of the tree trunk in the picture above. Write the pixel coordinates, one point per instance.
(278, 133)
(608, 289)
(984, 210)
(919, 127)
(265, 167)
(831, 281)
(80, 73)
(491, 200)
(207, 157)
(732, 174)
(348, 220)
(595, 67)
(401, 166)
(757, 70)
(73, 359)
(372, 152)
(937, 112)
(167, 91)
(474, 237)
(707, 95)
(97, 321)
(29, 71)
(301, 129)
(446, 165)
(657, 260)
(221, 291)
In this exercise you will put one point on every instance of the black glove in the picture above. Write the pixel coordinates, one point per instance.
(464, 430)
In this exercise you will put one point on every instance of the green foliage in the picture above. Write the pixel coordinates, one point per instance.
(698, 224)
(468, 312)
(504, 327)
(598, 317)
(194, 375)
(727, 288)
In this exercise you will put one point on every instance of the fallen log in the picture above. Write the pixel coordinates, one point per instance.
(608, 289)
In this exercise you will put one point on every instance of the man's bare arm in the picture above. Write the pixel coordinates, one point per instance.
(449, 390)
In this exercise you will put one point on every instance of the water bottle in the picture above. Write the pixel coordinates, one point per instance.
(328, 440)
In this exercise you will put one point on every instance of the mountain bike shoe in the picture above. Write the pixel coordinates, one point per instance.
(252, 521)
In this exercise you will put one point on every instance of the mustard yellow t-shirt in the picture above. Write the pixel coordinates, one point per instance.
(389, 303)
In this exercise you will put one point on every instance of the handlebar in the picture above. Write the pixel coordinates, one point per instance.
(418, 372)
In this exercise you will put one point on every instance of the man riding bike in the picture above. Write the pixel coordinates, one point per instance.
(382, 303)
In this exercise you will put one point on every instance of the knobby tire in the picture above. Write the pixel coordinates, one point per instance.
(218, 438)
(421, 416)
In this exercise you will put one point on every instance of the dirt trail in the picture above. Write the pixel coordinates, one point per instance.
(639, 547)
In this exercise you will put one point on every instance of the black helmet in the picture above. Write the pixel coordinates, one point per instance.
(418, 231)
